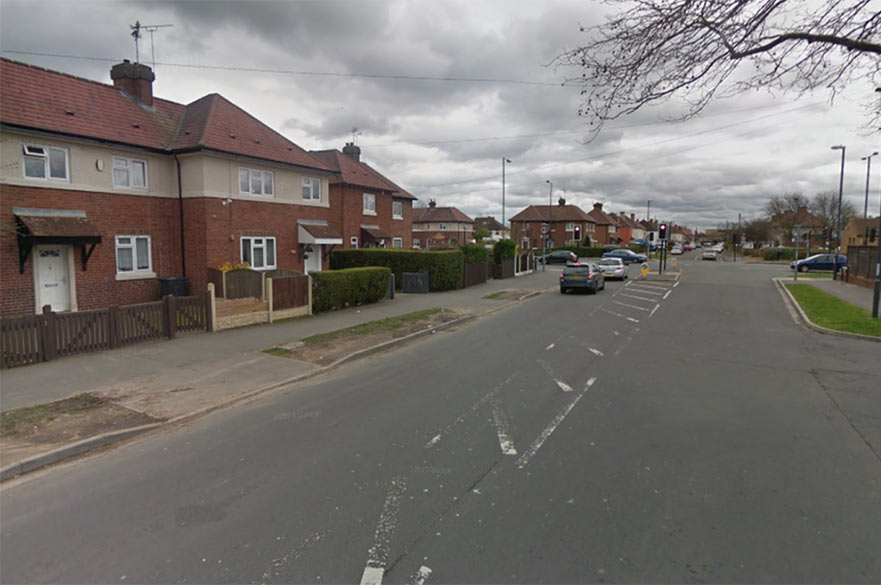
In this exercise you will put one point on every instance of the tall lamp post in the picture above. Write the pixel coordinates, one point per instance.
(868, 160)
(877, 295)
(545, 237)
(843, 149)
(504, 160)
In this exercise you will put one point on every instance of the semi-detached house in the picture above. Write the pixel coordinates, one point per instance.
(106, 189)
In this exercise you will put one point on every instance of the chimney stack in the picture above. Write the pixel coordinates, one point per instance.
(561, 202)
(598, 206)
(352, 151)
(432, 203)
(135, 79)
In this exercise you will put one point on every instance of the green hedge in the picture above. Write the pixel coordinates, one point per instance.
(337, 289)
(504, 250)
(778, 254)
(475, 253)
(583, 252)
(445, 268)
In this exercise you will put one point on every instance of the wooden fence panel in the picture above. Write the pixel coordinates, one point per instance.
(81, 332)
(215, 276)
(139, 323)
(191, 313)
(243, 283)
(289, 292)
(475, 273)
(20, 340)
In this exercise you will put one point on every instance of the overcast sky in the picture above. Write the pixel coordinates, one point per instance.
(445, 139)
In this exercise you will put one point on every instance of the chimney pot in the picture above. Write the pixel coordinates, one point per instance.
(136, 79)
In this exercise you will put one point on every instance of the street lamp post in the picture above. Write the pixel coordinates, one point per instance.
(877, 294)
(545, 237)
(868, 160)
(504, 160)
(843, 149)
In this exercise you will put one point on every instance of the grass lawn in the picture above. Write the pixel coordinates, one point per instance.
(831, 312)
(371, 326)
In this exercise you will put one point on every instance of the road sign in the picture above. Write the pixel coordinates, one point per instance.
(544, 228)
(645, 269)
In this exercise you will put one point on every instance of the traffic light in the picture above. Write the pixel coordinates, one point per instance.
(651, 236)
(662, 231)
(873, 233)
(577, 233)
(825, 233)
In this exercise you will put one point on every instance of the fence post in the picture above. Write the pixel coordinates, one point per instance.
(211, 309)
(223, 284)
(170, 316)
(49, 337)
(267, 289)
(113, 326)
(309, 291)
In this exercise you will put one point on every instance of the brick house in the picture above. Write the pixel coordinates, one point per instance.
(441, 227)
(496, 230)
(637, 231)
(562, 218)
(606, 226)
(625, 232)
(106, 189)
(366, 208)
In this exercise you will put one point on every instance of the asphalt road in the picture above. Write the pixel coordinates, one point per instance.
(680, 431)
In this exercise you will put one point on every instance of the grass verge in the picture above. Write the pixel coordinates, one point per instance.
(831, 312)
(389, 324)
(494, 295)
(35, 415)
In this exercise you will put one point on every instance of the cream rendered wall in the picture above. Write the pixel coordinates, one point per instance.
(85, 164)
(216, 176)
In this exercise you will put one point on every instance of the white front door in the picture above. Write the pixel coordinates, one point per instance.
(53, 282)
(313, 262)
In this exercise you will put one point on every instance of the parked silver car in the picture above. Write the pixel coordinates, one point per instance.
(613, 268)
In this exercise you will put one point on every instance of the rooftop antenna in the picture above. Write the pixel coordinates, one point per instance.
(136, 34)
(355, 132)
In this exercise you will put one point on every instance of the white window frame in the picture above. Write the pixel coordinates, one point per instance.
(443, 227)
(397, 210)
(313, 186)
(265, 178)
(258, 242)
(398, 243)
(368, 205)
(353, 242)
(127, 164)
(34, 151)
(132, 244)
(570, 227)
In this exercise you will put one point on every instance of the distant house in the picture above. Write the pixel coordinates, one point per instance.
(441, 227)
(637, 231)
(562, 220)
(858, 232)
(496, 230)
(606, 226)
(107, 189)
(367, 209)
(782, 227)
(623, 228)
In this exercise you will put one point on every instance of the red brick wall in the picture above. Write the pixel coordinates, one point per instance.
(112, 215)
(347, 215)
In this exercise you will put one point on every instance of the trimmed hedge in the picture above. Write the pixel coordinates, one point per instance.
(337, 289)
(475, 253)
(504, 250)
(445, 268)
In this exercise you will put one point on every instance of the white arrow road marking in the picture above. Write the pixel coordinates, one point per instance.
(377, 556)
(622, 316)
(595, 352)
(436, 439)
(539, 441)
(501, 423)
(668, 294)
(551, 346)
(421, 576)
(563, 385)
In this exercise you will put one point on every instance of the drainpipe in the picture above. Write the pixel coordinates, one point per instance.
(180, 205)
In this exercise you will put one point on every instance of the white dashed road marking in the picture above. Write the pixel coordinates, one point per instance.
(385, 531)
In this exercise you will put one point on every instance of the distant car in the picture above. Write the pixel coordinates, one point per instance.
(677, 249)
(688, 247)
(626, 256)
(708, 254)
(559, 257)
(698, 245)
(582, 275)
(819, 262)
(613, 268)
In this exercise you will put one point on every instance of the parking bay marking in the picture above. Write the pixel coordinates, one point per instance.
(548, 431)
(640, 298)
(647, 292)
(631, 306)
(631, 319)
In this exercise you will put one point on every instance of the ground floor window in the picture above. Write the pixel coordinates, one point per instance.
(354, 242)
(133, 255)
(397, 242)
(259, 253)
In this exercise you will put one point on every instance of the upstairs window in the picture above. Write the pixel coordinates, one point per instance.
(370, 203)
(570, 227)
(45, 162)
(397, 210)
(129, 173)
(254, 182)
(311, 189)
(443, 226)
(259, 253)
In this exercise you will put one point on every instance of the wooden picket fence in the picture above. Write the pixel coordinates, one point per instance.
(29, 339)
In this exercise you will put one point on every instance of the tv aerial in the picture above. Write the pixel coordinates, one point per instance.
(137, 27)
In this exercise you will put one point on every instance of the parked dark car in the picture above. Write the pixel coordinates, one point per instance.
(819, 262)
(584, 276)
(559, 257)
(626, 256)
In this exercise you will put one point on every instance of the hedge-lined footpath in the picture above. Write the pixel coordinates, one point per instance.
(337, 289)
(445, 268)
(831, 312)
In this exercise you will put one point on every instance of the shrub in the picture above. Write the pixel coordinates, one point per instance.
(337, 289)
(504, 250)
(778, 254)
(445, 268)
(474, 253)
